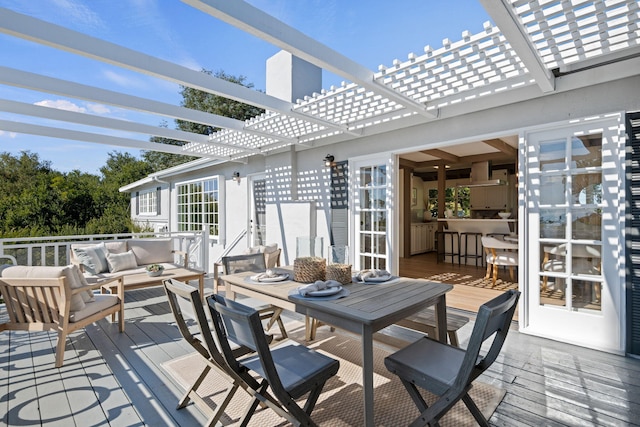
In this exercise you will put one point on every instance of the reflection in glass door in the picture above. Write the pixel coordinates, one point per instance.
(572, 178)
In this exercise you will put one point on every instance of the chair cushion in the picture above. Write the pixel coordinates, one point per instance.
(151, 251)
(429, 363)
(120, 262)
(40, 272)
(102, 302)
(93, 257)
(297, 366)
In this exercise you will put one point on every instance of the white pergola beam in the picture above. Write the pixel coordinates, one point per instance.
(22, 108)
(47, 84)
(48, 34)
(502, 15)
(254, 21)
(74, 135)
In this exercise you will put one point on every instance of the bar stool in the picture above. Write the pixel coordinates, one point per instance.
(454, 240)
(476, 239)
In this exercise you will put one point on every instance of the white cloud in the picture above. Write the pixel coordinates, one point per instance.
(79, 12)
(62, 104)
(98, 109)
(122, 80)
(10, 135)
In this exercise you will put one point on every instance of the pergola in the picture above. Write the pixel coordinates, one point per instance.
(533, 48)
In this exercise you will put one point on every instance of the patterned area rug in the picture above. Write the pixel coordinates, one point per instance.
(340, 403)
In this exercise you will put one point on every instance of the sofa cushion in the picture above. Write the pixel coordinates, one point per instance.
(120, 262)
(93, 258)
(102, 302)
(40, 272)
(151, 251)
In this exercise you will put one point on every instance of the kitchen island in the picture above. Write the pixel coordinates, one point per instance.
(484, 226)
(469, 225)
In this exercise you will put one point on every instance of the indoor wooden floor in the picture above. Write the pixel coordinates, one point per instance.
(471, 289)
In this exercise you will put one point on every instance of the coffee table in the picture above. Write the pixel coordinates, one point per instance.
(143, 280)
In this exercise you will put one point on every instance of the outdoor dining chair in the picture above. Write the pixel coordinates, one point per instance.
(187, 307)
(448, 371)
(256, 263)
(289, 370)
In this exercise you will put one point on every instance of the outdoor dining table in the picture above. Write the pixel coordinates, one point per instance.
(366, 309)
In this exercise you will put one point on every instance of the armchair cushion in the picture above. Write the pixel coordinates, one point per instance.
(120, 262)
(38, 272)
(101, 302)
(93, 258)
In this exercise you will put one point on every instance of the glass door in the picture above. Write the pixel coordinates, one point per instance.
(571, 205)
(258, 211)
(372, 185)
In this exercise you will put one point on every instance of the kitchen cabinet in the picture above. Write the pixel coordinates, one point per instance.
(493, 197)
(422, 238)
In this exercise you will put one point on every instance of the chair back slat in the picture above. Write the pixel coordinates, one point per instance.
(494, 319)
(28, 303)
(241, 263)
(236, 322)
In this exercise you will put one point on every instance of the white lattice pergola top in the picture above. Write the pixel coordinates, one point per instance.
(561, 34)
(534, 48)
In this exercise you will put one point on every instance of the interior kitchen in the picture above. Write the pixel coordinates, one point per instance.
(453, 197)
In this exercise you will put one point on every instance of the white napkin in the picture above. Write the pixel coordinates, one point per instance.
(318, 285)
(269, 274)
(373, 273)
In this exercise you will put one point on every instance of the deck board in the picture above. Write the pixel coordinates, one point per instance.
(117, 379)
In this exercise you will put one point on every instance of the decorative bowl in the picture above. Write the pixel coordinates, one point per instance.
(154, 270)
(504, 215)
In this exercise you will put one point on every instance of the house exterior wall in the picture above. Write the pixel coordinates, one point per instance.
(298, 183)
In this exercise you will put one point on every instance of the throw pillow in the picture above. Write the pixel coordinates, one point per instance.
(79, 282)
(119, 262)
(77, 300)
(94, 258)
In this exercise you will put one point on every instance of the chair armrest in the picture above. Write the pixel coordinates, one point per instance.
(107, 284)
(216, 274)
(185, 256)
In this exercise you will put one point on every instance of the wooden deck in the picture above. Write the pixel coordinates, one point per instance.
(116, 379)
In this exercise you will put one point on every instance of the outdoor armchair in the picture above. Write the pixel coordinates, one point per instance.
(56, 299)
(448, 371)
(289, 370)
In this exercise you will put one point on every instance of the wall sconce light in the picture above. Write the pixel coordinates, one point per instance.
(236, 176)
(328, 160)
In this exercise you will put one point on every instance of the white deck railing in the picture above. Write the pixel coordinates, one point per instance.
(55, 250)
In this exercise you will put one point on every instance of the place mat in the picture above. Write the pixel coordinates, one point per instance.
(340, 403)
(293, 294)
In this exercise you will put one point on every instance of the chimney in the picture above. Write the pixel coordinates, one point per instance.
(291, 78)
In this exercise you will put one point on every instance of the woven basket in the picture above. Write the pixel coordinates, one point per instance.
(339, 272)
(309, 269)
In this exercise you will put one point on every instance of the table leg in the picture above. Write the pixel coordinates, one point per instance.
(441, 319)
(201, 286)
(367, 374)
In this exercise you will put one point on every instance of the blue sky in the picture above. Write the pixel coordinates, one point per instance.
(371, 32)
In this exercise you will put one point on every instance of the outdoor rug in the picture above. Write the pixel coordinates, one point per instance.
(340, 403)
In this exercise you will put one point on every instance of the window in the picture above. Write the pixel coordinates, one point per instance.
(148, 202)
(198, 206)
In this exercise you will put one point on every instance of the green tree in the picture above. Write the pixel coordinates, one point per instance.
(202, 101)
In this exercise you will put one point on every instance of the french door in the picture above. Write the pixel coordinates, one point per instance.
(573, 194)
(257, 222)
(372, 188)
